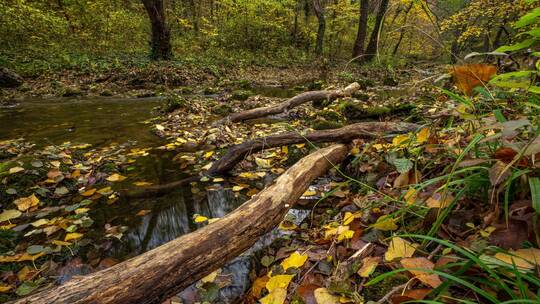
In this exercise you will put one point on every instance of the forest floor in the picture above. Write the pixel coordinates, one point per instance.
(442, 213)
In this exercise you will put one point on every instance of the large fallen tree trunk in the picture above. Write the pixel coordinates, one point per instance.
(166, 270)
(291, 103)
(237, 153)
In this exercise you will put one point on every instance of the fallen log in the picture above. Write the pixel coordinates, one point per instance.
(237, 153)
(291, 103)
(164, 271)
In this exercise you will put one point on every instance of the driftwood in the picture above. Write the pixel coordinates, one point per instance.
(291, 103)
(166, 270)
(237, 153)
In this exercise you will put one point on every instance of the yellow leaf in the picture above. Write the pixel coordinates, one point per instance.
(399, 248)
(410, 196)
(237, 188)
(349, 217)
(200, 219)
(218, 180)
(116, 178)
(211, 277)
(208, 154)
(423, 135)
(4, 288)
(399, 140)
(323, 296)
(287, 226)
(16, 170)
(522, 258)
(73, 236)
(160, 127)
(295, 260)
(309, 193)
(346, 234)
(105, 191)
(277, 296)
(279, 281)
(60, 243)
(385, 223)
(20, 257)
(368, 266)
(142, 184)
(89, 192)
(40, 222)
(81, 210)
(9, 214)
(25, 203)
(438, 200)
(263, 163)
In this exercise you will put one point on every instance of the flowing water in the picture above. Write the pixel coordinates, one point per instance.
(101, 121)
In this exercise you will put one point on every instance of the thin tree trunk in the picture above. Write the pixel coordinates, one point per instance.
(372, 47)
(161, 35)
(319, 12)
(166, 270)
(362, 29)
(403, 29)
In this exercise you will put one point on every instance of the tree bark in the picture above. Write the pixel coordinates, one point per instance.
(161, 36)
(319, 12)
(291, 103)
(373, 44)
(166, 270)
(358, 50)
(237, 153)
(403, 29)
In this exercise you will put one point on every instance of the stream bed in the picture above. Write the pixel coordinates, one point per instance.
(101, 121)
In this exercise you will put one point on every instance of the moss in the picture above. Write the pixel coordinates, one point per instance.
(244, 84)
(377, 291)
(361, 96)
(390, 81)
(322, 124)
(221, 109)
(316, 85)
(70, 91)
(210, 91)
(365, 83)
(241, 94)
(330, 115)
(173, 102)
(106, 92)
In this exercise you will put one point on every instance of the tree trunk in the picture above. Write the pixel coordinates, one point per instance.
(403, 29)
(373, 44)
(358, 50)
(291, 103)
(166, 270)
(161, 37)
(237, 153)
(319, 12)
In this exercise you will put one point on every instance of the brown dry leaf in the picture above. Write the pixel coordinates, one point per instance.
(143, 212)
(522, 258)
(505, 155)
(438, 200)
(402, 180)
(307, 292)
(25, 203)
(89, 192)
(258, 286)
(116, 178)
(469, 76)
(411, 295)
(498, 174)
(425, 277)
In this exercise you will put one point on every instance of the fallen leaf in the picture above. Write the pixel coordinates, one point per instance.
(498, 174)
(276, 296)
(142, 184)
(73, 236)
(89, 192)
(279, 281)
(5, 288)
(211, 277)
(368, 266)
(323, 296)
(199, 218)
(258, 286)
(399, 248)
(413, 264)
(15, 170)
(295, 260)
(143, 212)
(9, 214)
(116, 178)
(423, 135)
(40, 222)
(438, 200)
(386, 223)
(25, 203)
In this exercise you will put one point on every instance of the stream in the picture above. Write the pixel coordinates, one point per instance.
(101, 121)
